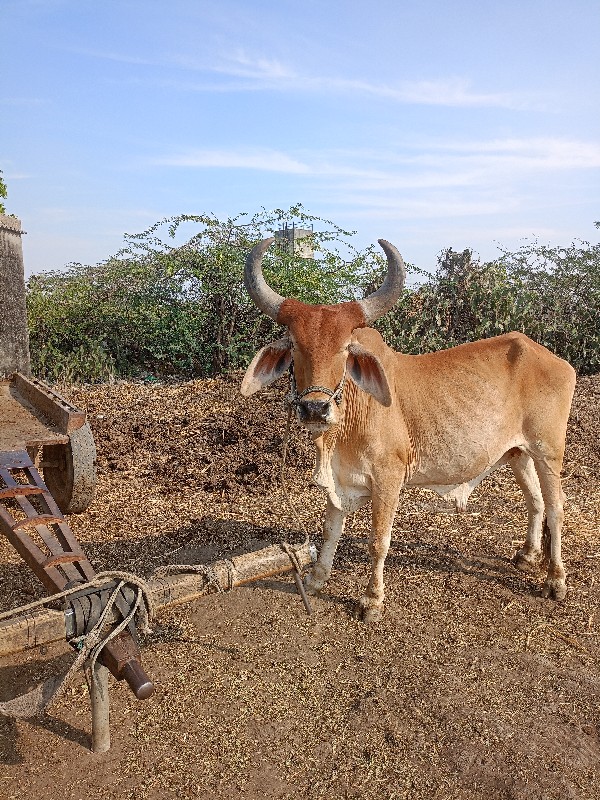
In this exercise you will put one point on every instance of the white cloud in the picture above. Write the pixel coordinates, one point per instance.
(454, 92)
(265, 160)
(437, 180)
(254, 73)
(530, 153)
(240, 65)
(437, 165)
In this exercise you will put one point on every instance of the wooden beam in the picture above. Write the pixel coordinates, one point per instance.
(31, 630)
(45, 626)
(49, 403)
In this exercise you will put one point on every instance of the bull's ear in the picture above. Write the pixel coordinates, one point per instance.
(267, 365)
(366, 371)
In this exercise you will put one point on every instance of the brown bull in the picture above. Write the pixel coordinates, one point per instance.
(443, 421)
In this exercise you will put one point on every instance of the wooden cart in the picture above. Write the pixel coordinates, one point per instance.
(57, 437)
(47, 470)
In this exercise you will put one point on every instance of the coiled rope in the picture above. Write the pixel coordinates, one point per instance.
(89, 646)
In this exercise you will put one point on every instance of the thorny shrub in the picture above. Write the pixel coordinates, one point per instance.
(551, 294)
(158, 308)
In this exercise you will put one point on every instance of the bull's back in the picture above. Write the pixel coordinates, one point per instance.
(466, 406)
(510, 362)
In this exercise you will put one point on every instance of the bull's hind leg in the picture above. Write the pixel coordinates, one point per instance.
(529, 557)
(549, 474)
(333, 528)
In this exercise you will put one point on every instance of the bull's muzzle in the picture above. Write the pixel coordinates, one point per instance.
(314, 412)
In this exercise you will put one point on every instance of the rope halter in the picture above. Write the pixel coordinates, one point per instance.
(294, 399)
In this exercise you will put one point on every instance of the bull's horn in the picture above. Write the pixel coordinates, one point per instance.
(259, 290)
(378, 303)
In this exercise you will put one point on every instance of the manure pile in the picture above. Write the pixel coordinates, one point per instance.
(473, 687)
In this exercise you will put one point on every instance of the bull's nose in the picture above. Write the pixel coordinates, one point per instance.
(313, 410)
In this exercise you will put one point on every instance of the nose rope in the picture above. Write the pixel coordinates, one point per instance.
(294, 398)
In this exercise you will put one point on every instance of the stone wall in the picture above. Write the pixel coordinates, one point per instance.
(14, 338)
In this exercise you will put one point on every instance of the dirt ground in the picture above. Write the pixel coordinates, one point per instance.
(473, 687)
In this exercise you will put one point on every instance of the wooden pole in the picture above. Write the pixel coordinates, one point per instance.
(43, 627)
(100, 708)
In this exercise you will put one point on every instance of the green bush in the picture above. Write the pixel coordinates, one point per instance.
(551, 294)
(159, 309)
(182, 310)
(121, 318)
(3, 194)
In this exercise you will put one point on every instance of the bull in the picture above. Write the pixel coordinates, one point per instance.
(381, 420)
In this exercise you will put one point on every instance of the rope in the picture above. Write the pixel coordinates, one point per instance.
(284, 485)
(98, 581)
(294, 398)
(285, 546)
(212, 580)
(89, 646)
(293, 556)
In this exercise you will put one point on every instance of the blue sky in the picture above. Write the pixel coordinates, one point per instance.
(430, 123)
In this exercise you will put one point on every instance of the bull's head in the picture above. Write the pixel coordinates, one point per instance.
(320, 344)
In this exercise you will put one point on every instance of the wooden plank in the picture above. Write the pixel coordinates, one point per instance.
(22, 425)
(182, 588)
(46, 626)
(31, 630)
(49, 403)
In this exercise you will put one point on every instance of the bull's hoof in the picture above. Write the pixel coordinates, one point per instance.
(367, 611)
(312, 585)
(555, 589)
(527, 561)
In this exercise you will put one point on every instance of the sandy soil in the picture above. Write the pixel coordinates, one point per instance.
(472, 687)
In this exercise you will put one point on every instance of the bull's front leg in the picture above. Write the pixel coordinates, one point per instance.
(333, 528)
(370, 606)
